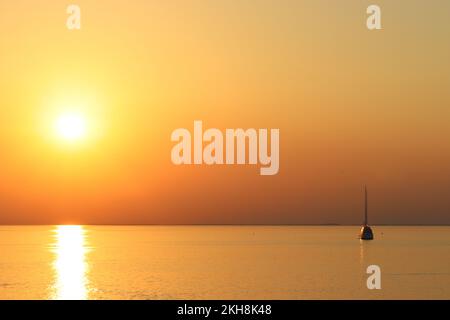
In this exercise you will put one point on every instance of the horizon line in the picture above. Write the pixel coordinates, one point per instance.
(223, 224)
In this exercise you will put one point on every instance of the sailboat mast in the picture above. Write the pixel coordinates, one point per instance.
(366, 222)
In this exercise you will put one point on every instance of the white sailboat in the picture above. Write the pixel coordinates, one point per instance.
(366, 232)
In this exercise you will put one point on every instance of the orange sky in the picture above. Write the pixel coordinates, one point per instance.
(353, 106)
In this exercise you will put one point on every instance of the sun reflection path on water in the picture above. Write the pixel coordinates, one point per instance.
(71, 281)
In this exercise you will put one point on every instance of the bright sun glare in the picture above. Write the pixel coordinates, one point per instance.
(70, 263)
(71, 126)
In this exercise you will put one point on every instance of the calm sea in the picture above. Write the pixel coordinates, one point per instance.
(221, 262)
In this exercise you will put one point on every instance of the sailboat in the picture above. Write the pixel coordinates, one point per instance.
(366, 232)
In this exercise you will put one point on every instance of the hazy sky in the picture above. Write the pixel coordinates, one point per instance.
(353, 107)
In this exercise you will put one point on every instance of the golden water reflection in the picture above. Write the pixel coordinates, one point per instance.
(70, 248)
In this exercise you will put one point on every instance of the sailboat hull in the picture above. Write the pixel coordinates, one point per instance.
(366, 233)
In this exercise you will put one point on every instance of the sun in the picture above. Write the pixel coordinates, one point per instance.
(71, 126)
